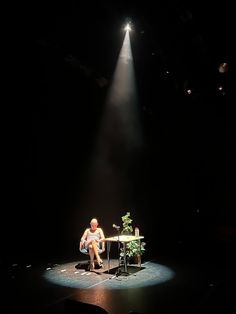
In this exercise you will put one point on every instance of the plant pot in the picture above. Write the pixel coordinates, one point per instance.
(136, 259)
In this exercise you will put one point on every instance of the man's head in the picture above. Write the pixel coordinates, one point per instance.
(94, 223)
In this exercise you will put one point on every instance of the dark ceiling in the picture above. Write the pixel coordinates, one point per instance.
(190, 39)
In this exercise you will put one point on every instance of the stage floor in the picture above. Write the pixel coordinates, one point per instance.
(159, 286)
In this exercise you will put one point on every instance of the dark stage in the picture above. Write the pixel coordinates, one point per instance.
(101, 120)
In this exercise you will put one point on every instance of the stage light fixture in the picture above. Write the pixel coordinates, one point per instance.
(128, 27)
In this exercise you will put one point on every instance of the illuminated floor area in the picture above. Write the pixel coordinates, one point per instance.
(150, 274)
(157, 287)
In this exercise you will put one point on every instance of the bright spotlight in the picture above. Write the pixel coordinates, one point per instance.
(127, 27)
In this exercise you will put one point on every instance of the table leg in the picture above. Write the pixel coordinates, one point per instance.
(108, 255)
(125, 258)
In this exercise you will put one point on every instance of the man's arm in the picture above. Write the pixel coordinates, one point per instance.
(83, 239)
(102, 237)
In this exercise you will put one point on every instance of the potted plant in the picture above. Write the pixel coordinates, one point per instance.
(133, 249)
(126, 224)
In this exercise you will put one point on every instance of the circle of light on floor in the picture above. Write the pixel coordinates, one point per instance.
(151, 273)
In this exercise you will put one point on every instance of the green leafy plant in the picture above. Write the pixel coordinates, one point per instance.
(127, 227)
(133, 248)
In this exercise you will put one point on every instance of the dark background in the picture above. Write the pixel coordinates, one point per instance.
(58, 71)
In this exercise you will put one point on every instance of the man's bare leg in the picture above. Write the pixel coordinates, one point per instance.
(95, 249)
(91, 255)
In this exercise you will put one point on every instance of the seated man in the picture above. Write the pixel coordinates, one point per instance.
(90, 243)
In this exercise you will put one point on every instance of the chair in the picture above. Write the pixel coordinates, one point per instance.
(83, 250)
